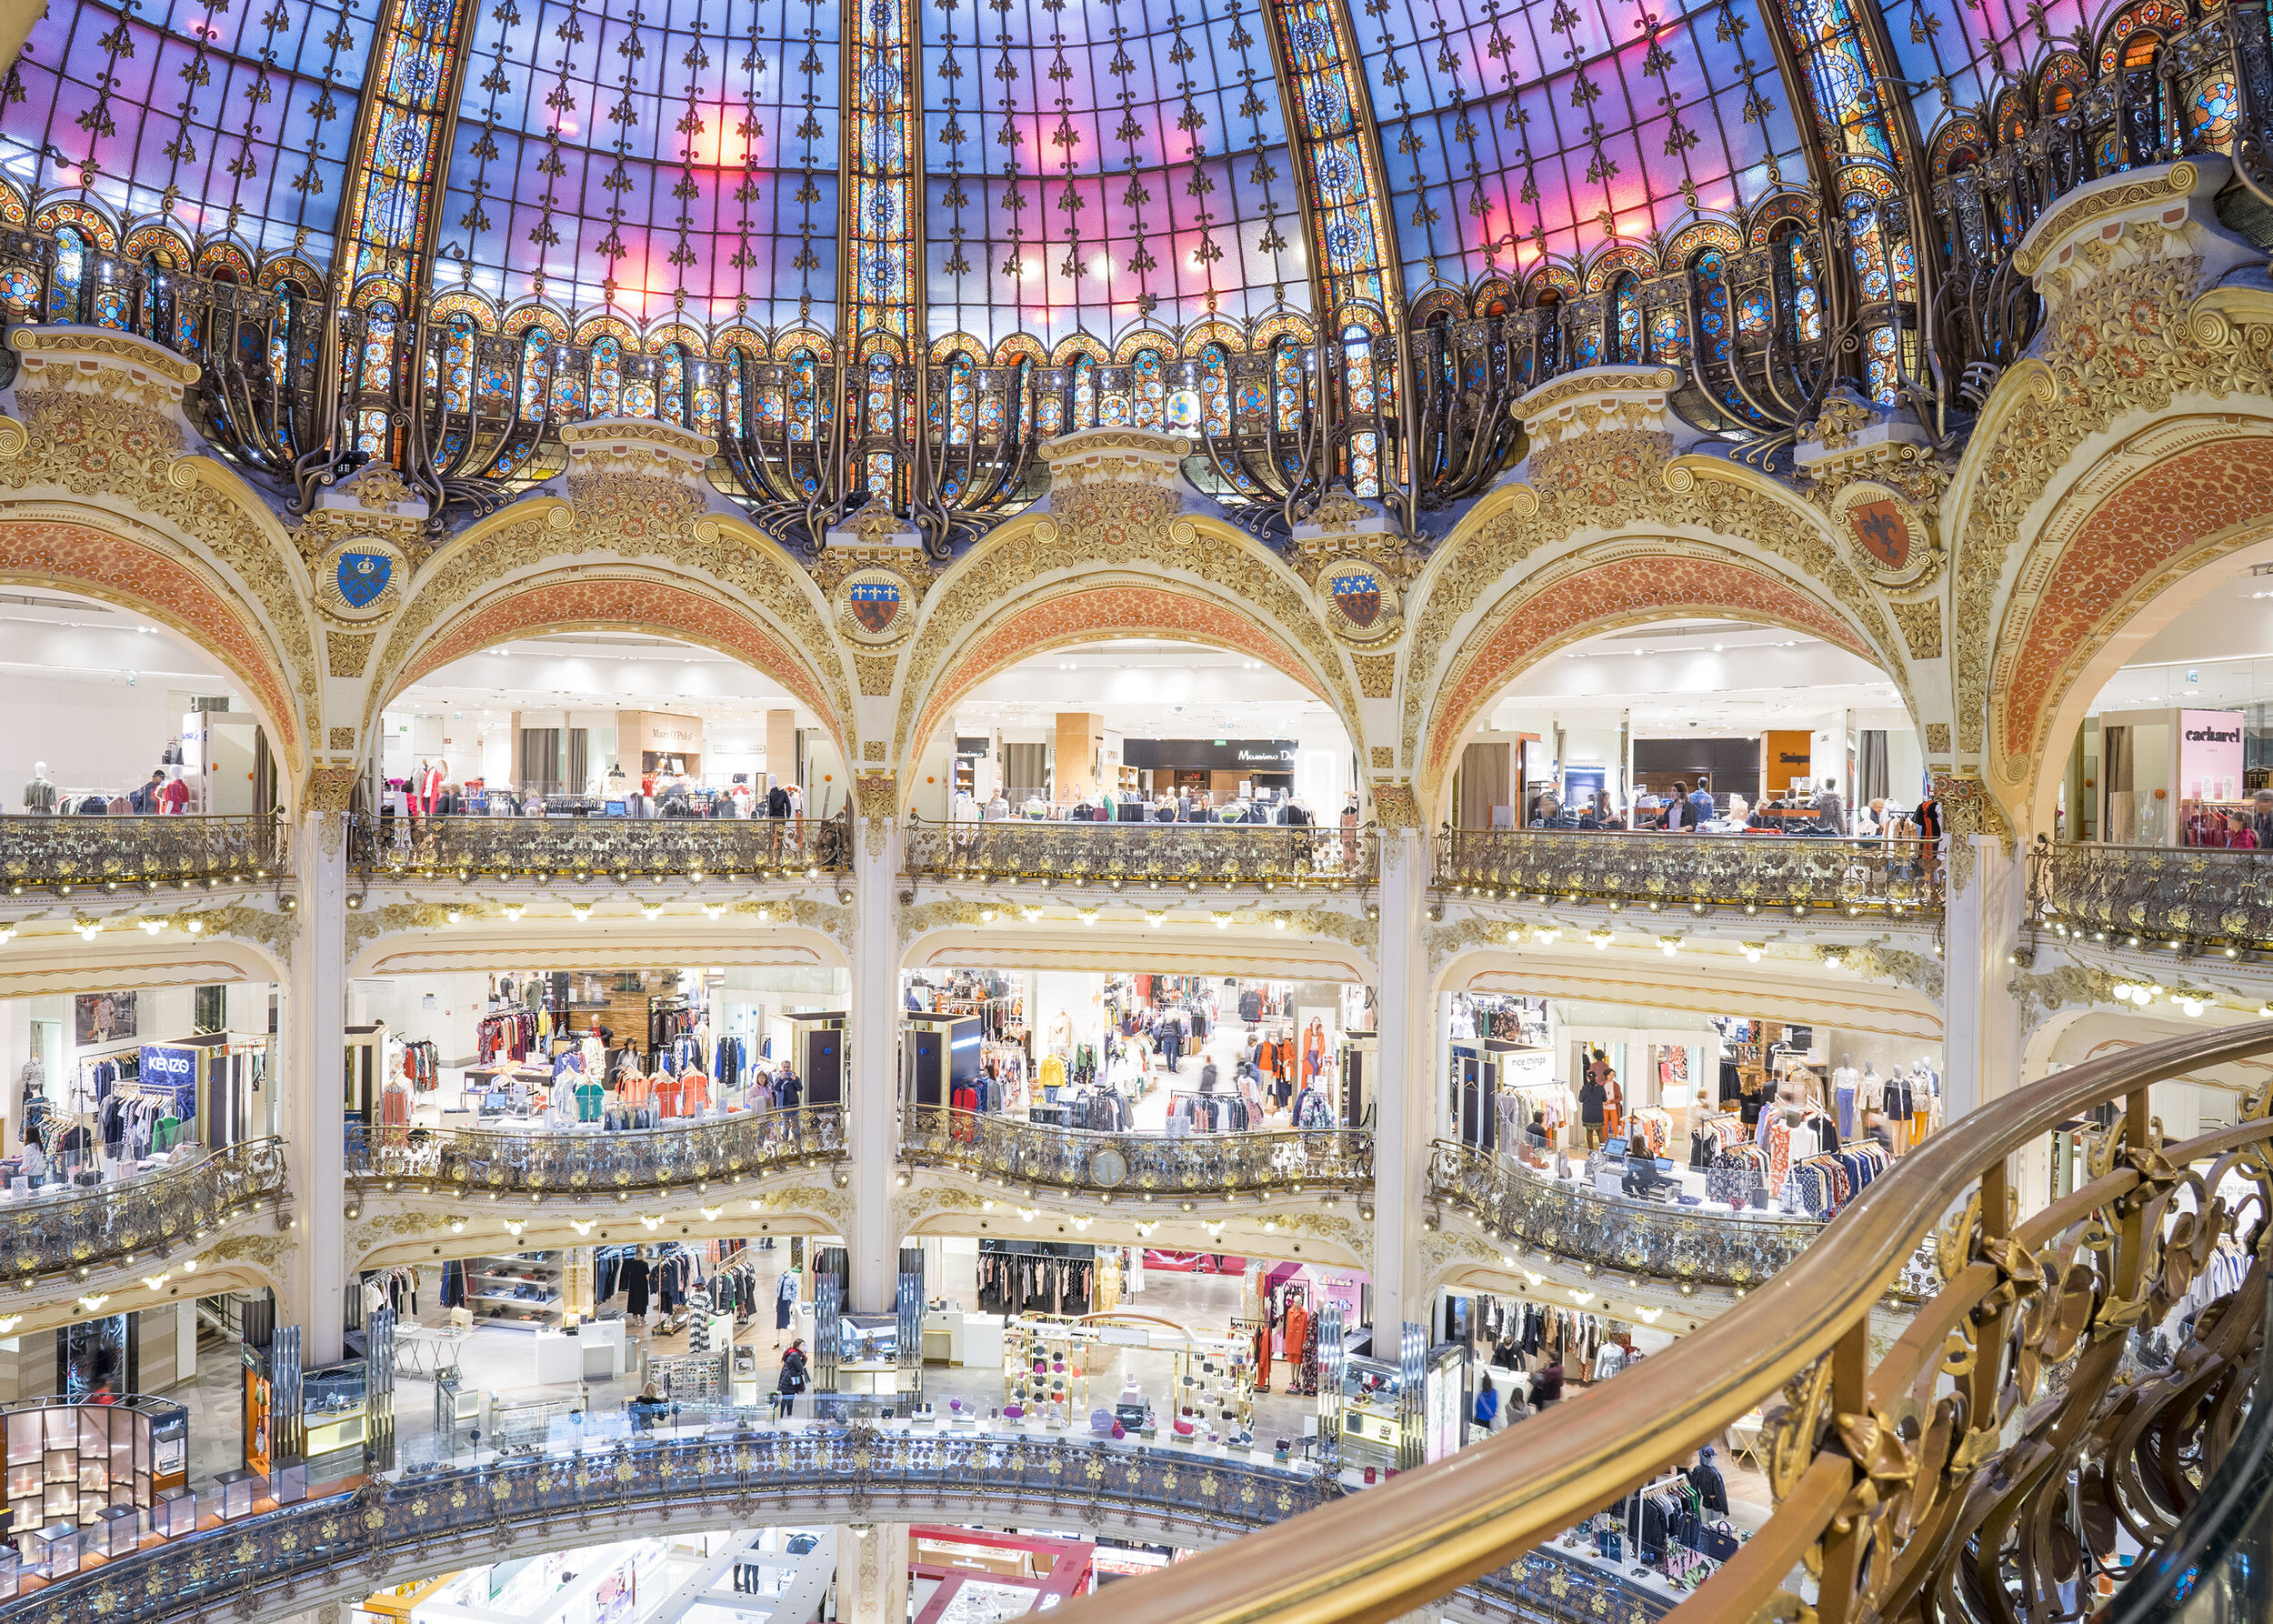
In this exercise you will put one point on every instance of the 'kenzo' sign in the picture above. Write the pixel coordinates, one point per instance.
(168, 1066)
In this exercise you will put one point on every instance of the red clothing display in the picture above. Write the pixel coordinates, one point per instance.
(174, 798)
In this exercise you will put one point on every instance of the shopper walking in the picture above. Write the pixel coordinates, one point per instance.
(792, 1381)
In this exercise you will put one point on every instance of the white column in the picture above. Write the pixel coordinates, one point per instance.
(872, 1108)
(313, 1018)
(1982, 1021)
(1404, 1116)
(872, 1573)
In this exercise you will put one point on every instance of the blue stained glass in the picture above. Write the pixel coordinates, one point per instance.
(250, 105)
(1513, 129)
(536, 373)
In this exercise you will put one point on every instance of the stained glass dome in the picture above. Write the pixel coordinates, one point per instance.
(1038, 174)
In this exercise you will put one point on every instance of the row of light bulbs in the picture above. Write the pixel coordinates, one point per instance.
(89, 928)
(994, 913)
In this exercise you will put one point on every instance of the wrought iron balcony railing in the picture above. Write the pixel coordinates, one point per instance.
(2048, 1411)
(280, 1562)
(2153, 896)
(87, 852)
(1755, 873)
(1735, 1249)
(570, 1163)
(1286, 1160)
(64, 1228)
(1146, 856)
(597, 848)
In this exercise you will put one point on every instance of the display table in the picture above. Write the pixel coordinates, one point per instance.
(952, 1336)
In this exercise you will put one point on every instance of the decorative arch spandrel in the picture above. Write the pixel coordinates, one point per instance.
(1615, 487)
(1120, 525)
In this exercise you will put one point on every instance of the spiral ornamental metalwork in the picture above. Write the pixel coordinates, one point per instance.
(568, 1164)
(66, 854)
(74, 1228)
(2055, 1403)
(2153, 896)
(1584, 1225)
(1147, 856)
(386, 1532)
(1289, 1160)
(1889, 275)
(1752, 872)
(588, 847)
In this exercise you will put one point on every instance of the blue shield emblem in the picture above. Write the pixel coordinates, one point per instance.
(874, 605)
(362, 577)
(1359, 595)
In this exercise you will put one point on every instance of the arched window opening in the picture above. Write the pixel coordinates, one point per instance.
(1625, 322)
(1148, 389)
(606, 372)
(537, 372)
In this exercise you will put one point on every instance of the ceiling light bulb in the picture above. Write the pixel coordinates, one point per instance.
(652, 911)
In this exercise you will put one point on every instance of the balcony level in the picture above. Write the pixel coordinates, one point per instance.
(91, 856)
(1144, 856)
(1749, 874)
(213, 1220)
(427, 1193)
(564, 848)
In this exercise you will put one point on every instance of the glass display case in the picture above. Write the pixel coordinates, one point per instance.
(176, 1512)
(52, 1552)
(334, 1406)
(1372, 1390)
(117, 1533)
(868, 1353)
(236, 1491)
(72, 1462)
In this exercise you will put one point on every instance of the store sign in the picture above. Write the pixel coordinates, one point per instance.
(2210, 755)
(1227, 754)
(168, 1067)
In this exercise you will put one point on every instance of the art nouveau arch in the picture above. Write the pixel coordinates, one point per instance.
(2120, 557)
(98, 557)
(1067, 612)
(627, 597)
(1600, 588)
(1602, 494)
(1699, 984)
(953, 935)
(124, 959)
(1240, 595)
(405, 940)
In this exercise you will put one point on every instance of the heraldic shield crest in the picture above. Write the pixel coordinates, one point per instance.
(875, 605)
(362, 577)
(1365, 605)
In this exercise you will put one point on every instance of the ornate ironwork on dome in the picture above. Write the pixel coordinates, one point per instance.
(879, 253)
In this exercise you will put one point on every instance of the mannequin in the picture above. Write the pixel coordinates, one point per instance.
(1847, 1088)
(39, 794)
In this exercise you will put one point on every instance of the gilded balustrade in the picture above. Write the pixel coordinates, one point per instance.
(570, 1163)
(1147, 856)
(1987, 1465)
(1279, 1160)
(89, 852)
(67, 1228)
(1734, 1250)
(2153, 896)
(600, 847)
(1757, 872)
(426, 1521)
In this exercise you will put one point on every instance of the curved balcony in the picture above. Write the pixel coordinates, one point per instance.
(1758, 873)
(285, 1561)
(1145, 856)
(572, 1164)
(564, 847)
(1286, 1160)
(1987, 1463)
(2153, 896)
(77, 1229)
(97, 853)
(1731, 1250)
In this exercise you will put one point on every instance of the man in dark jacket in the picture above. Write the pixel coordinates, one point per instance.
(1591, 1095)
(1701, 810)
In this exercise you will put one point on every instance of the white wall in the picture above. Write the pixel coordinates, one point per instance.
(94, 732)
(1080, 994)
(460, 1000)
(1322, 764)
